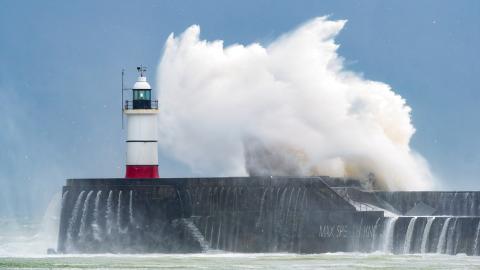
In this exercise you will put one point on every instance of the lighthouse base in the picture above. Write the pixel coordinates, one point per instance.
(142, 171)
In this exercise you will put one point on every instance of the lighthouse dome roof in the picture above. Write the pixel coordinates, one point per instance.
(142, 84)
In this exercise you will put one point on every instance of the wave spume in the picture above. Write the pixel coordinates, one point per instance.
(289, 108)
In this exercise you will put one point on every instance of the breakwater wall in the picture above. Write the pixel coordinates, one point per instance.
(251, 214)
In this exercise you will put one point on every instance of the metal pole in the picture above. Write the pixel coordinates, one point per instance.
(123, 71)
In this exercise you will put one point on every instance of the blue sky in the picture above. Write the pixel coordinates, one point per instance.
(60, 64)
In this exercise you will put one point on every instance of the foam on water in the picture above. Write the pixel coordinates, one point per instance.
(247, 261)
(29, 239)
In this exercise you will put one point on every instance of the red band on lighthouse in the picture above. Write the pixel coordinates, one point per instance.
(142, 171)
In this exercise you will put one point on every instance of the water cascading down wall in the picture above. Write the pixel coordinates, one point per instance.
(261, 214)
(452, 225)
(254, 214)
(445, 222)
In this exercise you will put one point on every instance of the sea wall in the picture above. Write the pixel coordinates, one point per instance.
(432, 234)
(251, 214)
(455, 203)
(445, 222)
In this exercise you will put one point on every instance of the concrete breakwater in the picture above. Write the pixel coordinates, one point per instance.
(454, 203)
(256, 214)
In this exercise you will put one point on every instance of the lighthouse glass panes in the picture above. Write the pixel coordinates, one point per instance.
(142, 99)
(141, 95)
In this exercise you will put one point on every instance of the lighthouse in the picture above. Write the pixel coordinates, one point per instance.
(141, 113)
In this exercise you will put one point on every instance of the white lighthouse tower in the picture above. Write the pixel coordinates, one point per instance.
(142, 133)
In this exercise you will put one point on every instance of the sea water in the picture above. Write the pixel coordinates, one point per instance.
(243, 261)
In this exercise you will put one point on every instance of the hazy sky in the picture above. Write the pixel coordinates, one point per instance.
(60, 64)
